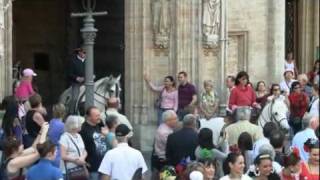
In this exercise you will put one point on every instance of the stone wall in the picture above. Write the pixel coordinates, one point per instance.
(255, 44)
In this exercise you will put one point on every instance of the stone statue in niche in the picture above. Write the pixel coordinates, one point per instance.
(210, 23)
(161, 23)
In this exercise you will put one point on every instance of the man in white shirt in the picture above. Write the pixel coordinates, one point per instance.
(112, 109)
(267, 131)
(122, 162)
(311, 123)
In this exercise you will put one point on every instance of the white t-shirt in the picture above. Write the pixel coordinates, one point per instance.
(122, 162)
(243, 177)
(284, 86)
(72, 151)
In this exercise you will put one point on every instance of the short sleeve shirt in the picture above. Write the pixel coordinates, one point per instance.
(122, 162)
(72, 151)
(185, 93)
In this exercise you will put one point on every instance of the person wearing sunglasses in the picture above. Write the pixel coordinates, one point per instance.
(275, 94)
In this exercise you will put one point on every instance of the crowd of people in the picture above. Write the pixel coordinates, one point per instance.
(191, 141)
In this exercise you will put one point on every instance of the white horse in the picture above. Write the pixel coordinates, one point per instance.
(104, 88)
(275, 111)
(216, 125)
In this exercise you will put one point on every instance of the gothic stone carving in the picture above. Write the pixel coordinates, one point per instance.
(161, 23)
(210, 23)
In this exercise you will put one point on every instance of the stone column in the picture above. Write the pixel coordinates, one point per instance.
(316, 44)
(223, 56)
(5, 48)
(309, 33)
(276, 39)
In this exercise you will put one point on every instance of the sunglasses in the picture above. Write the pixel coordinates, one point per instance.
(276, 89)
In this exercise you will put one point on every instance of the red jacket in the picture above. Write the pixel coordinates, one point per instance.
(298, 104)
(242, 96)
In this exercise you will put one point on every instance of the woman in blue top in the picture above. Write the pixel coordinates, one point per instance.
(56, 129)
(44, 169)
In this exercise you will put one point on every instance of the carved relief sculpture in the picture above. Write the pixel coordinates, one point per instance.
(210, 23)
(161, 23)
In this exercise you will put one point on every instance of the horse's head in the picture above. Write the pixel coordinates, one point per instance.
(279, 113)
(109, 87)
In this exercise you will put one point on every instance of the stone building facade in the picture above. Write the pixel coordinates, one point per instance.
(164, 37)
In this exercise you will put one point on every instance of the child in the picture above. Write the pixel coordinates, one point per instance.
(25, 90)
(291, 64)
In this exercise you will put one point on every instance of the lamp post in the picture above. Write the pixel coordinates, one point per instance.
(89, 33)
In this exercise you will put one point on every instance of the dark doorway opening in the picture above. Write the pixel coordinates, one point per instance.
(44, 36)
(291, 29)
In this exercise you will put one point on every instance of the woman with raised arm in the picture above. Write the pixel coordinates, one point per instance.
(17, 158)
(168, 98)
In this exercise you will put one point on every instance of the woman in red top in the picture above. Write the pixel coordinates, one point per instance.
(298, 106)
(310, 169)
(243, 94)
(291, 163)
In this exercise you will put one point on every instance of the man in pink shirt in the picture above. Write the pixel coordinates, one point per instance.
(25, 90)
(169, 119)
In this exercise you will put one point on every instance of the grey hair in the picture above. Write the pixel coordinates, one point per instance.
(267, 149)
(208, 82)
(243, 113)
(168, 114)
(306, 120)
(189, 120)
(73, 122)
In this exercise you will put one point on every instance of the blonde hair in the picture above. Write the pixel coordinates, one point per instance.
(208, 82)
(303, 77)
(59, 111)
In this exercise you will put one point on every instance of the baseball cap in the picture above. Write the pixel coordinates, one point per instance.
(28, 72)
(122, 130)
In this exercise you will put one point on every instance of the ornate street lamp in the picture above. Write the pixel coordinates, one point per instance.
(89, 34)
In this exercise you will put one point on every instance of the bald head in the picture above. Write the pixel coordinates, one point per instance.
(112, 102)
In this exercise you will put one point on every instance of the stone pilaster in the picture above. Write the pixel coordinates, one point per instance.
(309, 33)
(276, 39)
(5, 48)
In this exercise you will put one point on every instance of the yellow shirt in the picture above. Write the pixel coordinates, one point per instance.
(234, 130)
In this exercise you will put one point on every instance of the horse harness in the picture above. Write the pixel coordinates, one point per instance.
(273, 119)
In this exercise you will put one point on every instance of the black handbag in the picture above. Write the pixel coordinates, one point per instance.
(78, 172)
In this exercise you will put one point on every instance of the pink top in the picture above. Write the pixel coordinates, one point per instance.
(24, 91)
(169, 100)
(161, 140)
(242, 96)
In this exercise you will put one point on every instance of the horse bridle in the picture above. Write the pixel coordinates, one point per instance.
(105, 92)
(273, 119)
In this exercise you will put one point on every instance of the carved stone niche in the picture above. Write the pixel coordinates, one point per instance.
(237, 51)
